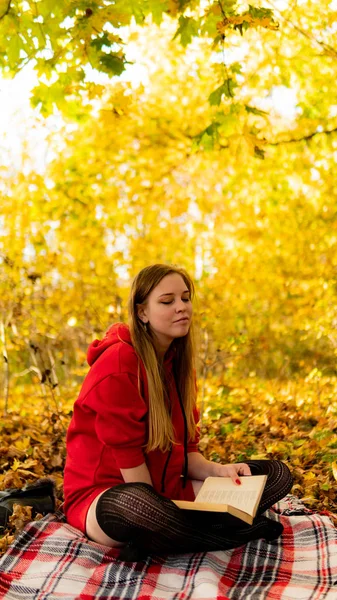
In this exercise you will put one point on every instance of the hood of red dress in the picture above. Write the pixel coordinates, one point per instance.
(119, 332)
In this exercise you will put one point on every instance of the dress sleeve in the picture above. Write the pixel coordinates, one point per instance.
(121, 418)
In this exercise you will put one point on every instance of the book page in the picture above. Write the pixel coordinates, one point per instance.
(222, 490)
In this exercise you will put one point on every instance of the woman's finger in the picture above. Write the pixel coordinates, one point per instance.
(243, 469)
(233, 474)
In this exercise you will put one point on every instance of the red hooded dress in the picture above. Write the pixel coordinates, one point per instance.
(108, 429)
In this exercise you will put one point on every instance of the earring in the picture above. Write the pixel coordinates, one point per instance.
(144, 325)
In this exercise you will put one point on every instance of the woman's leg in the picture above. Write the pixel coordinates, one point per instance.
(279, 481)
(151, 524)
(94, 531)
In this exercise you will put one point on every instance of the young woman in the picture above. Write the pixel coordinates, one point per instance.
(132, 444)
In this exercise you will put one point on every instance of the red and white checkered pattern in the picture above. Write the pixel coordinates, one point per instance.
(51, 560)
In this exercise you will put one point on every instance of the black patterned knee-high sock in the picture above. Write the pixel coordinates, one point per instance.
(151, 524)
(279, 481)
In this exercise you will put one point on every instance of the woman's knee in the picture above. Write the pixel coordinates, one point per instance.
(269, 467)
(127, 501)
(93, 529)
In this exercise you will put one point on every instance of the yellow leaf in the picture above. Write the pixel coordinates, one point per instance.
(20, 517)
(309, 476)
(258, 456)
(23, 443)
(16, 464)
(334, 470)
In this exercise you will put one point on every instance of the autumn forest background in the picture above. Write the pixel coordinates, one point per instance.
(196, 132)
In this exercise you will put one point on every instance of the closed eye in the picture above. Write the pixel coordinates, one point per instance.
(183, 299)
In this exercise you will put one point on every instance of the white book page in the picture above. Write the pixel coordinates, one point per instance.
(222, 490)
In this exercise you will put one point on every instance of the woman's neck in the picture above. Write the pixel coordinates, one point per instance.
(161, 348)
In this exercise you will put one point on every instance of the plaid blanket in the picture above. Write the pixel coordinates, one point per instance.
(50, 560)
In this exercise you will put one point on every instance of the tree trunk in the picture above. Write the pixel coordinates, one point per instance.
(6, 366)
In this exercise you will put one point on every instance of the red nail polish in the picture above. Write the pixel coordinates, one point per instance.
(238, 481)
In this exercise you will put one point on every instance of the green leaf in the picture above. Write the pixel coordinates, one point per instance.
(207, 142)
(112, 64)
(137, 10)
(255, 111)
(157, 8)
(207, 137)
(225, 390)
(42, 98)
(226, 428)
(188, 28)
(242, 27)
(236, 67)
(209, 26)
(183, 4)
(258, 152)
(228, 6)
(260, 13)
(47, 7)
(13, 51)
(215, 97)
(230, 86)
(226, 89)
(45, 67)
(100, 41)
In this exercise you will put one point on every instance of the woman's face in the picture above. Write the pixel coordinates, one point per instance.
(168, 310)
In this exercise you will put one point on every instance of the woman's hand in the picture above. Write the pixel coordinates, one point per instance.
(232, 471)
(199, 468)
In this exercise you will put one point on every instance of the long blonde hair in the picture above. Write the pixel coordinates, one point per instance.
(160, 430)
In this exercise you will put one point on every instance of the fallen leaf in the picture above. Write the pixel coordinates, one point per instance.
(334, 470)
(20, 517)
(11, 480)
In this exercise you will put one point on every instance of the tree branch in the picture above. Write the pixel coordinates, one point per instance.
(7, 10)
(330, 51)
(304, 138)
(26, 371)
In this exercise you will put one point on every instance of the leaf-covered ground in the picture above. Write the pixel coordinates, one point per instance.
(294, 421)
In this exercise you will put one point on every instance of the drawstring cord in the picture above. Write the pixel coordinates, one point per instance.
(165, 469)
(185, 469)
(185, 445)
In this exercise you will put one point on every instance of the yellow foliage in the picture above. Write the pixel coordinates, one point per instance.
(266, 22)
(153, 172)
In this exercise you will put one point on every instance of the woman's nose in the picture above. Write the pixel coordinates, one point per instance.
(180, 305)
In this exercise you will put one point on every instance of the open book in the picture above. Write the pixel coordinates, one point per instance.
(220, 494)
